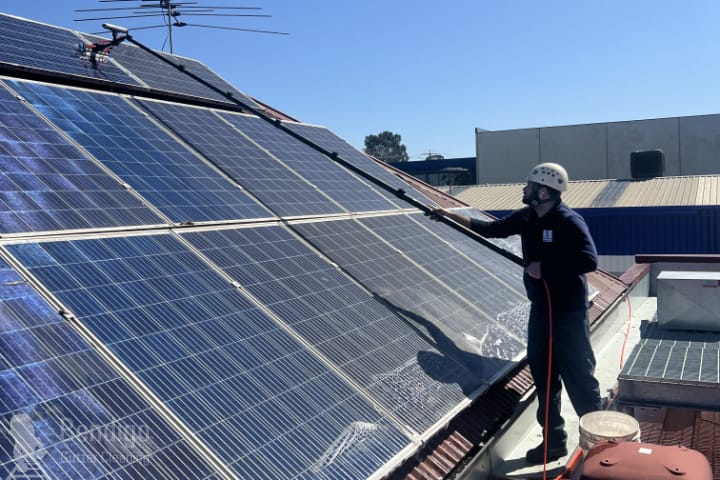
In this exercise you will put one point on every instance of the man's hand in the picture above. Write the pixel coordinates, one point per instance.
(463, 220)
(534, 270)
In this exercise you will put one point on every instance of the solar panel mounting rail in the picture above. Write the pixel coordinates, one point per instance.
(400, 193)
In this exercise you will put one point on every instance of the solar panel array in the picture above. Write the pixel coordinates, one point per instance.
(333, 143)
(68, 412)
(181, 185)
(227, 297)
(478, 286)
(282, 189)
(245, 387)
(48, 184)
(458, 330)
(44, 48)
(357, 333)
(163, 76)
(31, 45)
(336, 182)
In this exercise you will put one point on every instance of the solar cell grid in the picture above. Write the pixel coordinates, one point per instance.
(170, 177)
(161, 76)
(47, 48)
(47, 184)
(333, 143)
(485, 285)
(78, 416)
(458, 329)
(356, 332)
(175, 335)
(281, 190)
(335, 181)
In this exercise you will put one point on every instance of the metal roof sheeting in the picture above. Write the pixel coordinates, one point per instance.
(700, 190)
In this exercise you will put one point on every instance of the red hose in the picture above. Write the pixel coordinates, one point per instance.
(627, 333)
(547, 384)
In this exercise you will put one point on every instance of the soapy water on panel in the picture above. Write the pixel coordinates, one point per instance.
(515, 319)
(409, 381)
(353, 437)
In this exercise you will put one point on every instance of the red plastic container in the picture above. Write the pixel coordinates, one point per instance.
(644, 461)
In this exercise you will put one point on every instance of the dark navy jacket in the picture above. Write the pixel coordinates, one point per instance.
(561, 242)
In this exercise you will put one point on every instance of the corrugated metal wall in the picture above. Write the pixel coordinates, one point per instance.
(649, 230)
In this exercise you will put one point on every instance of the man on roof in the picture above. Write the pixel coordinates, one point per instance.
(557, 253)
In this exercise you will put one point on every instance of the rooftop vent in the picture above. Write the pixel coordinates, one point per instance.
(647, 163)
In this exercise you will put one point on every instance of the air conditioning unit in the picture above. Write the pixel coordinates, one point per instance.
(647, 163)
(689, 300)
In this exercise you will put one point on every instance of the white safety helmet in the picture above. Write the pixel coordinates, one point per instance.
(549, 174)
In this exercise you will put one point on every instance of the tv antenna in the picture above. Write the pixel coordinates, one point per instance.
(170, 12)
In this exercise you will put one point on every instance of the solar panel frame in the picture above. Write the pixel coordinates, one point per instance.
(171, 178)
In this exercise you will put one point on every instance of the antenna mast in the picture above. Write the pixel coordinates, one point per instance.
(170, 10)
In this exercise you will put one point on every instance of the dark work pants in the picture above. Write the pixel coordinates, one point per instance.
(573, 361)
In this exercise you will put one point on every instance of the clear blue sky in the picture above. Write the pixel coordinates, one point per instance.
(433, 71)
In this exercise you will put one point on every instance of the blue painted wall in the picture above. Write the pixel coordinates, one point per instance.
(652, 230)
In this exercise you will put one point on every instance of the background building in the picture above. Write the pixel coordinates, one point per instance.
(691, 146)
(442, 172)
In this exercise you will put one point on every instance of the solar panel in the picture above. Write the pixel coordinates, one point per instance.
(175, 181)
(332, 143)
(67, 413)
(45, 48)
(335, 181)
(261, 401)
(159, 75)
(458, 329)
(485, 284)
(276, 186)
(359, 335)
(46, 184)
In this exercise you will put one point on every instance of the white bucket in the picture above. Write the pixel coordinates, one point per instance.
(601, 426)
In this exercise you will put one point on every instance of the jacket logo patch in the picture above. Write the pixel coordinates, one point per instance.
(547, 236)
